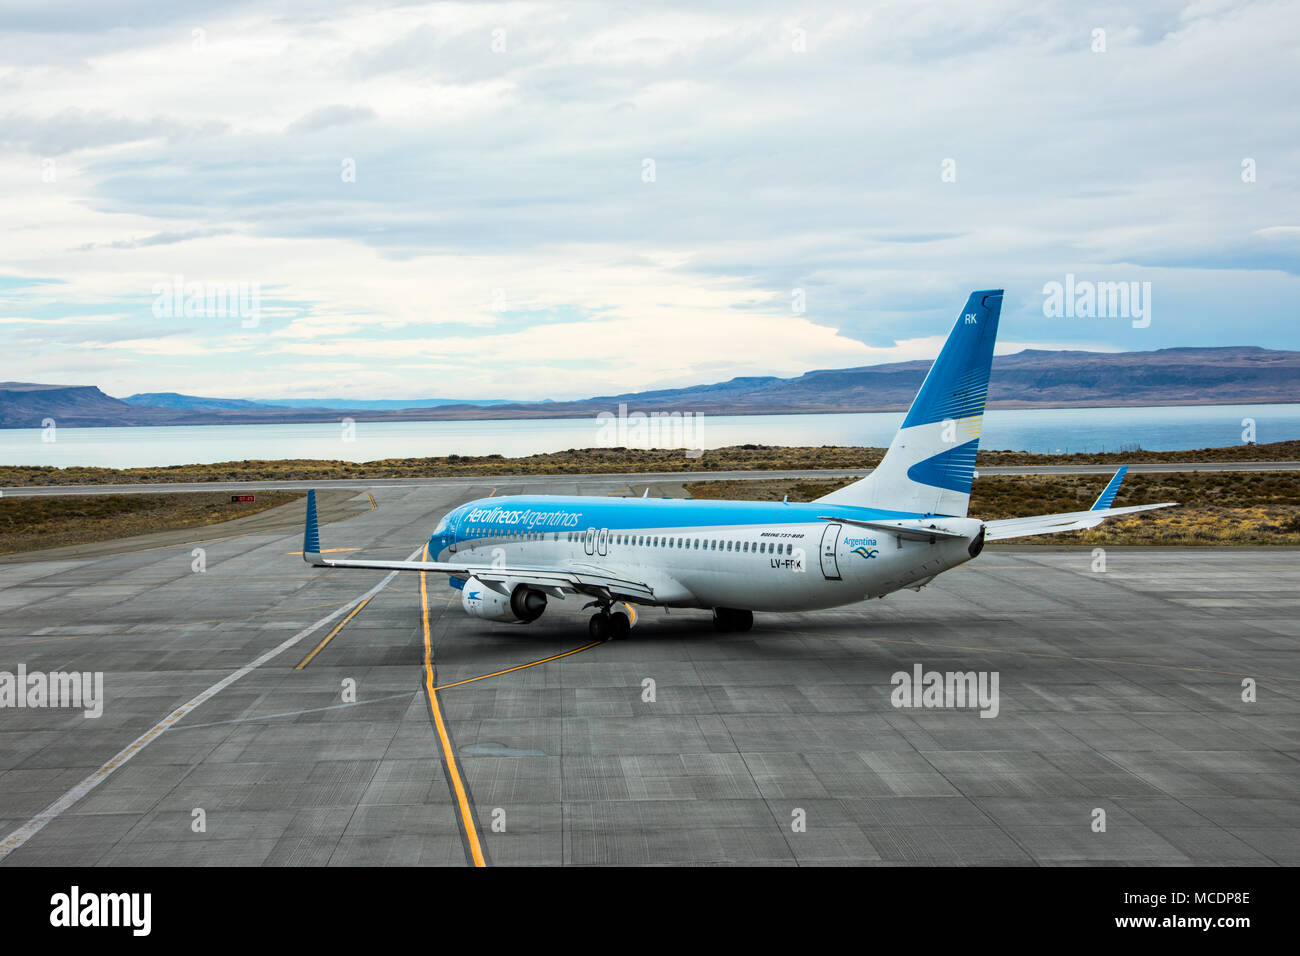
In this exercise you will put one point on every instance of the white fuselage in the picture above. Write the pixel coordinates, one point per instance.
(791, 565)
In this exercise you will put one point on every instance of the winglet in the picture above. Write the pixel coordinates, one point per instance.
(1107, 497)
(311, 532)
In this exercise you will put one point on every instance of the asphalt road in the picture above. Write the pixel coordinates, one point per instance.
(226, 737)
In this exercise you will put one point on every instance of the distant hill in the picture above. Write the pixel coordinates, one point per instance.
(188, 402)
(377, 403)
(1033, 378)
(176, 400)
(24, 405)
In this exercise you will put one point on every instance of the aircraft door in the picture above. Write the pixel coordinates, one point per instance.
(602, 541)
(830, 545)
(589, 541)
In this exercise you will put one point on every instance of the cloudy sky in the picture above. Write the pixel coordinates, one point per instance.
(529, 200)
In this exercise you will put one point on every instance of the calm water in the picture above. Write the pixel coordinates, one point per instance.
(1035, 430)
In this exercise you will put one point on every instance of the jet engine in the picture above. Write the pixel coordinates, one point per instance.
(523, 606)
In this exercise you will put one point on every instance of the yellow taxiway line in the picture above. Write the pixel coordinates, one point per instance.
(519, 667)
(468, 824)
(330, 636)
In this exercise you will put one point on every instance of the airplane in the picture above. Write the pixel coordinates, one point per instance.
(899, 527)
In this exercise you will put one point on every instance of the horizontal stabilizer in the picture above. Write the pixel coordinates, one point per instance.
(920, 529)
(1005, 528)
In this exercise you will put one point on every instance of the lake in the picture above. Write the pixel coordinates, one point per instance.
(1034, 430)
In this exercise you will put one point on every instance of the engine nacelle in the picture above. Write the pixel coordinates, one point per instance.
(523, 606)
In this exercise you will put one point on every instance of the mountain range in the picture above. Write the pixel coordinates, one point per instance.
(1033, 378)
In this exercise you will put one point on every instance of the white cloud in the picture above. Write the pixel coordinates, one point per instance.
(136, 154)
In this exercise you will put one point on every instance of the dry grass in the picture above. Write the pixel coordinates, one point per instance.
(590, 461)
(1237, 508)
(32, 524)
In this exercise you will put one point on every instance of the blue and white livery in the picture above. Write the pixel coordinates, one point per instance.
(896, 528)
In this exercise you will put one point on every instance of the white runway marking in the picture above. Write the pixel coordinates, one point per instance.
(38, 822)
(298, 713)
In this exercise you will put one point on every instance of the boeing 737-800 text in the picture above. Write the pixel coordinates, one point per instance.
(896, 528)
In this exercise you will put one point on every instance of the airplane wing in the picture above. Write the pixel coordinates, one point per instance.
(499, 577)
(1005, 528)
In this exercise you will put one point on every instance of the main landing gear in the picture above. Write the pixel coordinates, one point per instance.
(607, 626)
(731, 619)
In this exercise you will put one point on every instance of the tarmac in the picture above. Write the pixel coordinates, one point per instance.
(256, 713)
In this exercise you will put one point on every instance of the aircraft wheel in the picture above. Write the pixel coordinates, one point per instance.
(742, 620)
(721, 620)
(620, 626)
(598, 627)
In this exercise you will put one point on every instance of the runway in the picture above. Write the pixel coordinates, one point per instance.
(1120, 691)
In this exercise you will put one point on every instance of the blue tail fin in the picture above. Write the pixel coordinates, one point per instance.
(931, 463)
(1107, 497)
